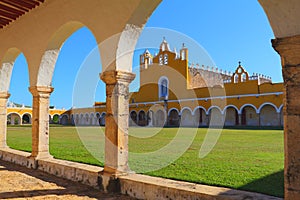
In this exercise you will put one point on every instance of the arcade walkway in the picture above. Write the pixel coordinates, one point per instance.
(17, 182)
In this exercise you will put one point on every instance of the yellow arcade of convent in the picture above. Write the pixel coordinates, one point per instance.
(175, 93)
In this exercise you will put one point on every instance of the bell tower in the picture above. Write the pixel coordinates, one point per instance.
(145, 60)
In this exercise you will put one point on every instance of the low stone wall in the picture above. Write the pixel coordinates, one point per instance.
(134, 185)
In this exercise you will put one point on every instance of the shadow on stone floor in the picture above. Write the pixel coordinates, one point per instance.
(20, 182)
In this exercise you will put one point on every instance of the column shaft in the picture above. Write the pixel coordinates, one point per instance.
(289, 50)
(116, 121)
(40, 121)
(3, 118)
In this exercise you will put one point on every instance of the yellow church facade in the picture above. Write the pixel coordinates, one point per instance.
(175, 93)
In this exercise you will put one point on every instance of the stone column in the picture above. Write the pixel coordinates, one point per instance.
(116, 121)
(289, 50)
(239, 120)
(3, 118)
(40, 121)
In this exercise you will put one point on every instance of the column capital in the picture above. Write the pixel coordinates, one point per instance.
(114, 76)
(289, 50)
(42, 91)
(4, 95)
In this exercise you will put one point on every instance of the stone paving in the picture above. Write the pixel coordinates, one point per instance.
(18, 182)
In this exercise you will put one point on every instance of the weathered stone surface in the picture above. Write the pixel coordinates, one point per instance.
(40, 121)
(21, 183)
(3, 118)
(289, 50)
(116, 126)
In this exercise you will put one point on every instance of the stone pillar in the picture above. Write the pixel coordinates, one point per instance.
(3, 118)
(239, 120)
(40, 121)
(116, 121)
(289, 50)
(279, 119)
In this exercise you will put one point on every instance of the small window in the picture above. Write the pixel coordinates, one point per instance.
(160, 60)
(165, 59)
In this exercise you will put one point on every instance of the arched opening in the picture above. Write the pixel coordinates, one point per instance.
(14, 119)
(64, 120)
(268, 116)
(81, 119)
(249, 116)
(26, 118)
(186, 118)
(102, 119)
(232, 117)
(200, 117)
(86, 119)
(97, 118)
(215, 117)
(174, 118)
(142, 119)
(133, 118)
(55, 119)
(159, 118)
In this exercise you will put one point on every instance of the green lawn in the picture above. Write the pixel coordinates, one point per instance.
(244, 159)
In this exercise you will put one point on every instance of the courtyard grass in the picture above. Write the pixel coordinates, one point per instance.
(249, 160)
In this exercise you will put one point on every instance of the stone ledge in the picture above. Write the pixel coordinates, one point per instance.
(147, 187)
(83, 173)
(134, 185)
(15, 156)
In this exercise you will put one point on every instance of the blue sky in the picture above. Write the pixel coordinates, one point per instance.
(228, 31)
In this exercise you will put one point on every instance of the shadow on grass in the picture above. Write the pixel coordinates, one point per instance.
(271, 185)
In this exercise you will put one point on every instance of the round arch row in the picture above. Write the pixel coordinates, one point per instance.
(266, 114)
(14, 118)
(83, 119)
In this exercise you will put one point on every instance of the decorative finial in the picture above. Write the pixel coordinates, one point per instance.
(240, 63)
(164, 38)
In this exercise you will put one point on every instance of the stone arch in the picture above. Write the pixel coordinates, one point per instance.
(14, 118)
(160, 118)
(215, 116)
(77, 119)
(97, 116)
(231, 115)
(142, 118)
(268, 115)
(64, 119)
(92, 119)
(55, 118)
(173, 117)
(26, 118)
(86, 120)
(133, 118)
(281, 115)
(7, 63)
(102, 119)
(200, 116)
(268, 103)
(186, 117)
(81, 119)
(245, 105)
(49, 57)
(249, 115)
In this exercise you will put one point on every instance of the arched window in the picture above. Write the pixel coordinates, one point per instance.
(163, 85)
(160, 60)
(165, 59)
